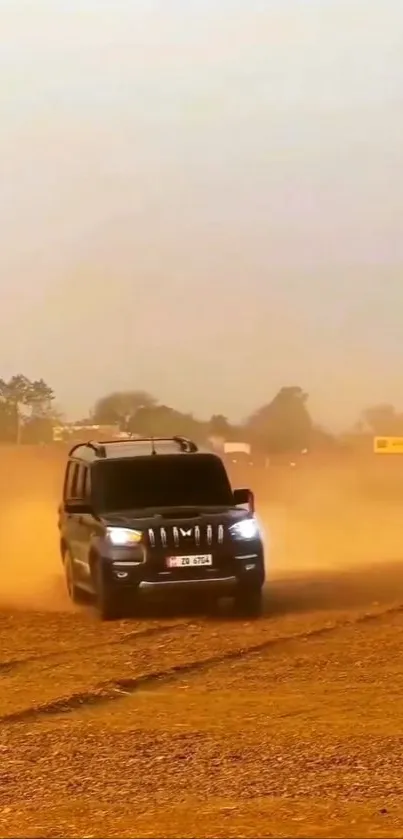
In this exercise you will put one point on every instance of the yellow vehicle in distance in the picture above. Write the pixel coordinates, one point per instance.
(388, 445)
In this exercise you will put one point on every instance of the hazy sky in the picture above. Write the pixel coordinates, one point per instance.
(203, 198)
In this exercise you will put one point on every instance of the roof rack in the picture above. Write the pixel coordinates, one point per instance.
(100, 449)
(185, 444)
(88, 444)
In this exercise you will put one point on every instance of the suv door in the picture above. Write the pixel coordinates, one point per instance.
(86, 527)
(72, 521)
(67, 520)
(79, 541)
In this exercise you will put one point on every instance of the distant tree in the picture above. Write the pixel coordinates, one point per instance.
(41, 400)
(22, 399)
(120, 407)
(381, 419)
(163, 421)
(322, 439)
(219, 426)
(38, 429)
(284, 424)
(7, 423)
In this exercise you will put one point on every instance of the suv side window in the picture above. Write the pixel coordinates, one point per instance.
(69, 480)
(80, 481)
(87, 484)
(74, 481)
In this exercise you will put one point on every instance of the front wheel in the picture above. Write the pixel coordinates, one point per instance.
(74, 592)
(249, 602)
(107, 602)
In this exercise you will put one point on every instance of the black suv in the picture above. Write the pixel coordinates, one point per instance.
(157, 514)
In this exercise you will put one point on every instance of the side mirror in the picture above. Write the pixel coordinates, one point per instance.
(77, 507)
(245, 496)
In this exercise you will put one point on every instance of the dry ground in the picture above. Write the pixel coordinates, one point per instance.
(184, 725)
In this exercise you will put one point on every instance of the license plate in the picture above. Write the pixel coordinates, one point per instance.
(189, 561)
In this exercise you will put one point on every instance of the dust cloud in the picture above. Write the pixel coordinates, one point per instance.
(30, 567)
(335, 535)
(320, 521)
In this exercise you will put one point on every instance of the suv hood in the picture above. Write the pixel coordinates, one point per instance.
(173, 515)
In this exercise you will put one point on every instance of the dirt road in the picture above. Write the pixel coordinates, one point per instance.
(184, 725)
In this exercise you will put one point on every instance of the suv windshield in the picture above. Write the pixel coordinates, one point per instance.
(162, 481)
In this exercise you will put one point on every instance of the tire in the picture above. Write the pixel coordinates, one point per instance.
(74, 591)
(107, 603)
(249, 602)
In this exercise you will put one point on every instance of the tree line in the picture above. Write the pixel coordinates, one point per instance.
(283, 424)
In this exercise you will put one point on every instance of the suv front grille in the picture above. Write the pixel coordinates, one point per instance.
(175, 536)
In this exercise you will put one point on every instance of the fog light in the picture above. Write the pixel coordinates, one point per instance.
(121, 575)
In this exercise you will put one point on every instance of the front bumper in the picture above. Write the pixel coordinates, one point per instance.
(228, 571)
(222, 584)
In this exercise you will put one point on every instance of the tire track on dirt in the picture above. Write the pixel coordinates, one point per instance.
(119, 688)
(10, 665)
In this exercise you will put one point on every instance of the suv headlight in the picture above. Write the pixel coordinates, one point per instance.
(123, 536)
(245, 529)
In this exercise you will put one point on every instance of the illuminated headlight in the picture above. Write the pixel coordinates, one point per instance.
(245, 529)
(123, 536)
